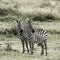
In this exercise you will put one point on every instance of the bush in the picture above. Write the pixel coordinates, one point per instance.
(53, 31)
(9, 32)
(43, 17)
(8, 14)
(7, 11)
(14, 31)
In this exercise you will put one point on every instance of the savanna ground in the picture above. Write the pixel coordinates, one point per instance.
(43, 13)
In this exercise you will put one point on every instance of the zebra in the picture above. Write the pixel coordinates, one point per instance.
(30, 29)
(25, 38)
(39, 36)
(22, 36)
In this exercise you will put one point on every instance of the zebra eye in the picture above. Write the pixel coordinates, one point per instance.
(33, 31)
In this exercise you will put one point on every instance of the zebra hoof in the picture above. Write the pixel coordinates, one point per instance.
(31, 53)
(46, 54)
(28, 51)
(23, 51)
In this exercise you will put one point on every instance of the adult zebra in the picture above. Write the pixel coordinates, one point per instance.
(39, 36)
(22, 36)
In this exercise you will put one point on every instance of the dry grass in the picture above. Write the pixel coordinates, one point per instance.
(16, 53)
(23, 9)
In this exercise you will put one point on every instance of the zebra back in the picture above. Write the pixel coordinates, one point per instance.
(41, 35)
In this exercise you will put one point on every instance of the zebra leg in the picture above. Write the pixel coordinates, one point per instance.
(23, 46)
(27, 46)
(42, 47)
(46, 47)
(30, 43)
(32, 47)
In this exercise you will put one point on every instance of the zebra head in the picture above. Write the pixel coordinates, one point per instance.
(20, 30)
(30, 26)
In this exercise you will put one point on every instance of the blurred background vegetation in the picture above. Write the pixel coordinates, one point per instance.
(47, 11)
(37, 10)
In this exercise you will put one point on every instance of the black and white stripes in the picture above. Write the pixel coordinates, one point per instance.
(40, 37)
(22, 36)
(29, 36)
